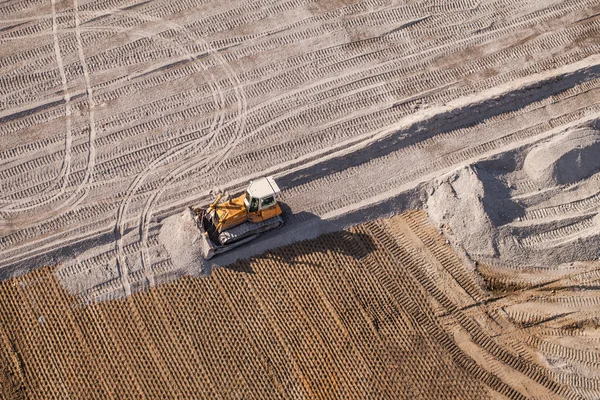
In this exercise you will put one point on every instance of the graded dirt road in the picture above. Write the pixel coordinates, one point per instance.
(383, 310)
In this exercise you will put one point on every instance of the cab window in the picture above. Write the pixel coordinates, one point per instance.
(267, 202)
(253, 205)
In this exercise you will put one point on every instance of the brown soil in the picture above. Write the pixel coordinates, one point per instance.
(355, 314)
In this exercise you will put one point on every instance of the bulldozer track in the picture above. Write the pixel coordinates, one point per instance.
(440, 334)
(337, 315)
(563, 233)
(116, 114)
(479, 337)
(574, 115)
(569, 117)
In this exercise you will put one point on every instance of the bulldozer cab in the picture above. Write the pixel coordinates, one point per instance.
(236, 221)
(261, 194)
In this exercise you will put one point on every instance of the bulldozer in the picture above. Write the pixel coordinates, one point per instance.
(225, 225)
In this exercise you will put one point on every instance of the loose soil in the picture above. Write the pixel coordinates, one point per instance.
(383, 310)
(116, 115)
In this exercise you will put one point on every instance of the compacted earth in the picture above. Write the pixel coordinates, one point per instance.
(440, 173)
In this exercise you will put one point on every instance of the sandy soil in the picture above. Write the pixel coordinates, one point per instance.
(116, 114)
(382, 310)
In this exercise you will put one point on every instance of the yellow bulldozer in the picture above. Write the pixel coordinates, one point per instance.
(225, 225)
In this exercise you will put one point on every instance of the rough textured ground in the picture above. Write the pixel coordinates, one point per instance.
(383, 310)
(535, 207)
(115, 115)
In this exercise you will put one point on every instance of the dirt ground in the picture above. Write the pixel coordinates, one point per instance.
(117, 114)
(383, 310)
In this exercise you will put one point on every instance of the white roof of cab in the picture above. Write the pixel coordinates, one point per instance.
(263, 187)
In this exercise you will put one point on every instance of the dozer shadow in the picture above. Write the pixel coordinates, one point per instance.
(305, 236)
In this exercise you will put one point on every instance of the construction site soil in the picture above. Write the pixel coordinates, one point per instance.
(116, 115)
(383, 310)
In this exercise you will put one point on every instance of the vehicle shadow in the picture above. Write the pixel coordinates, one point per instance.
(301, 241)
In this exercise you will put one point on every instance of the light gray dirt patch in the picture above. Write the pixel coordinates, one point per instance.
(566, 158)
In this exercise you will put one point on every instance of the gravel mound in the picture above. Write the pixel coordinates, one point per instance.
(479, 210)
(456, 201)
(183, 241)
(565, 159)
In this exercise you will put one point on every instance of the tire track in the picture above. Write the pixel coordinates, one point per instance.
(71, 200)
(330, 105)
(172, 153)
(399, 285)
(66, 166)
(403, 253)
(65, 171)
(550, 237)
(87, 172)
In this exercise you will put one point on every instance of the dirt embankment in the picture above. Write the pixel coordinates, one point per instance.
(538, 206)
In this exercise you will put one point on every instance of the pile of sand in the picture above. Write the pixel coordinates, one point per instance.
(479, 210)
(565, 159)
(456, 201)
(182, 239)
